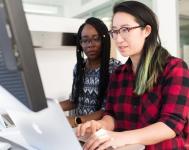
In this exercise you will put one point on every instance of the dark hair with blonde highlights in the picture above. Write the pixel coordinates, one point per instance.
(154, 56)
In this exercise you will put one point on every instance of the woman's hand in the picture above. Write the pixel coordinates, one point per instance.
(88, 128)
(104, 139)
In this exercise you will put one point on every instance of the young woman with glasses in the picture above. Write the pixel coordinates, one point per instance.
(148, 97)
(91, 75)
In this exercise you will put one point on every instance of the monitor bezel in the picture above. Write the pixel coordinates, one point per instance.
(24, 53)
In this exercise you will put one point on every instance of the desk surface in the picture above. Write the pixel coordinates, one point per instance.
(13, 134)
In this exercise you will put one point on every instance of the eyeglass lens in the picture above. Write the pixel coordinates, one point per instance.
(94, 40)
(123, 31)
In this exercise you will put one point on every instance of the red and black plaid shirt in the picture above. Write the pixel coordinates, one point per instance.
(167, 101)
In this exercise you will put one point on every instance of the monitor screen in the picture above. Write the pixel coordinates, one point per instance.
(19, 72)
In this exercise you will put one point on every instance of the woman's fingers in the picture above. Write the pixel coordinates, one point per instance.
(87, 128)
(81, 129)
(106, 145)
(84, 128)
(94, 126)
(94, 142)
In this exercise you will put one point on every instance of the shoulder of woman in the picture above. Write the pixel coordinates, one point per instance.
(176, 67)
(176, 62)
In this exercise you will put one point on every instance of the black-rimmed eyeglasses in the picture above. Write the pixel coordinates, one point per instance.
(123, 31)
(93, 40)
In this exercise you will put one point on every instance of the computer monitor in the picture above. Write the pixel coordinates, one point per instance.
(19, 72)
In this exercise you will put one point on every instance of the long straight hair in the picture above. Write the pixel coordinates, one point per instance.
(104, 64)
(154, 56)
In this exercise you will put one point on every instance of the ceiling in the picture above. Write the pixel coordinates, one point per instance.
(61, 4)
(83, 9)
(183, 4)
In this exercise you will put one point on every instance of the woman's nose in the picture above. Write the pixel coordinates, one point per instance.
(119, 38)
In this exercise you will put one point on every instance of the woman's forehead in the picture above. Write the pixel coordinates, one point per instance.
(89, 30)
(123, 19)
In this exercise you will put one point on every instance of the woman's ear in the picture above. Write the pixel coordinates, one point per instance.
(148, 30)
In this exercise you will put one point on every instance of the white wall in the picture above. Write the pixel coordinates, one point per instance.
(55, 62)
(53, 24)
(55, 67)
(168, 17)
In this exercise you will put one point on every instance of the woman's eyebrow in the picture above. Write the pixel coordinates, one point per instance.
(124, 25)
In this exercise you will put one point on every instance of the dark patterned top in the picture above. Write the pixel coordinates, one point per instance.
(167, 102)
(88, 102)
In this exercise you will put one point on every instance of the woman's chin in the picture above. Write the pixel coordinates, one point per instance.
(124, 54)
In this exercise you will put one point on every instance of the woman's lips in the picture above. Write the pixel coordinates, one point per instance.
(91, 52)
(122, 48)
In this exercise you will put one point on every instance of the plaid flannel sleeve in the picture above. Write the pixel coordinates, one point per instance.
(175, 96)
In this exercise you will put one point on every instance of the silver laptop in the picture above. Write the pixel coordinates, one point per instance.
(45, 130)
